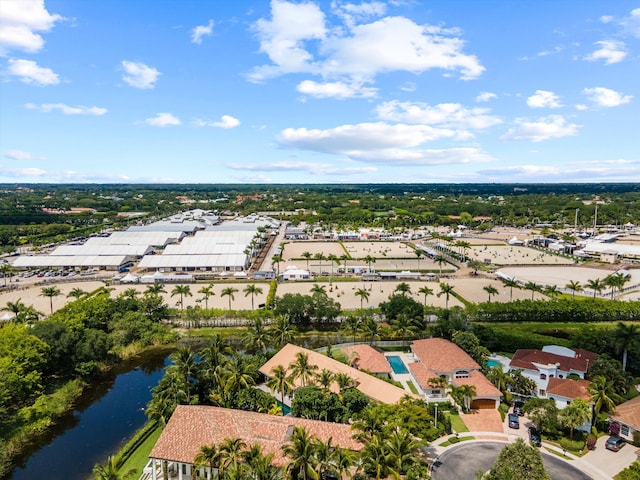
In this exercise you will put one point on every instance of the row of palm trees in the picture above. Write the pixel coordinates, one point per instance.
(615, 281)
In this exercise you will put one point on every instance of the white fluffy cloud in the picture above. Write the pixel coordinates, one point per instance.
(381, 143)
(314, 168)
(339, 90)
(553, 126)
(605, 97)
(163, 120)
(449, 115)
(356, 51)
(22, 172)
(21, 155)
(226, 122)
(66, 109)
(139, 75)
(485, 97)
(201, 31)
(544, 99)
(350, 13)
(30, 72)
(611, 51)
(631, 23)
(619, 171)
(21, 22)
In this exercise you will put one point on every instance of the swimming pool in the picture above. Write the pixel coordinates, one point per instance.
(493, 363)
(286, 410)
(397, 365)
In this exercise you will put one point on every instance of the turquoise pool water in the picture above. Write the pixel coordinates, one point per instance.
(493, 363)
(286, 410)
(397, 365)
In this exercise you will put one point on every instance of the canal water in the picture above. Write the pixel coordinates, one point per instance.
(108, 414)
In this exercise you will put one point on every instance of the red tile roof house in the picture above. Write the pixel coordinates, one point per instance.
(563, 391)
(627, 416)
(552, 361)
(192, 426)
(437, 357)
(365, 357)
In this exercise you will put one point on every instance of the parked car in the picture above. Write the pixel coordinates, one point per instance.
(614, 443)
(534, 437)
(517, 408)
(514, 422)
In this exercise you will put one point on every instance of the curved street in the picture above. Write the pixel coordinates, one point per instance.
(465, 460)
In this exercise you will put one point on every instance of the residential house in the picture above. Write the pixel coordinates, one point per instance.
(563, 391)
(193, 426)
(292, 273)
(627, 417)
(365, 357)
(553, 361)
(437, 357)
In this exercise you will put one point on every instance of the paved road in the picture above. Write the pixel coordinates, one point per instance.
(462, 462)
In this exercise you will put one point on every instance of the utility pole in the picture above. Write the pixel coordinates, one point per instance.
(575, 224)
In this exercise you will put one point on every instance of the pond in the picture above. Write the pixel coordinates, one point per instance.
(108, 414)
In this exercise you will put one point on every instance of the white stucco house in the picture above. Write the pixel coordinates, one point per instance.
(553, 361)
(563, 391)
(294, 273)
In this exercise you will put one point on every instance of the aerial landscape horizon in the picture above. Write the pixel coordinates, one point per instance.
(319, 92)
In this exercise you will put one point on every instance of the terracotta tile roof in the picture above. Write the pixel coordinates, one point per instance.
(422, 374)
(629, 413)
(442, 356)
(192, 426)
(524, 358)
(371, 386)
(567, 388)
(483, 386)
(368, 358)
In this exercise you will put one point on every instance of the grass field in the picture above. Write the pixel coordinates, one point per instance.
(457, 425)
(139, 458)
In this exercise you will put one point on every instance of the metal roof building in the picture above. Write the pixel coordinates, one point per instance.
(102, 250)
(156, 239)
(109, 262)
(220, 263)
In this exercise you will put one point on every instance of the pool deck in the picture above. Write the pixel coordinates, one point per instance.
(404, 378)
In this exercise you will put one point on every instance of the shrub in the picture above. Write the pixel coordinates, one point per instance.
(572, 445)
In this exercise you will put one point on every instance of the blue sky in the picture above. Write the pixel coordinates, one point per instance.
(257, 91)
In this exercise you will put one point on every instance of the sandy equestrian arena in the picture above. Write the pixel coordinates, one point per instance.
(514, 255)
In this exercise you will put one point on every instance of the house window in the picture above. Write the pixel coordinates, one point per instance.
(462, 374)
(435, 392)
(568, 402)
(551, 376)
(543, 376)
(624, 430)
(542, 393)
(560, 376)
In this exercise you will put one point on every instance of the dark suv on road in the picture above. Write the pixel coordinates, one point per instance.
(534, 437)
(614, 443)
(517, 408)
(514, 421)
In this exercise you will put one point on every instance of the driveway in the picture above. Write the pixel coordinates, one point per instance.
(610, 462)
(485, 420)
(463, 461)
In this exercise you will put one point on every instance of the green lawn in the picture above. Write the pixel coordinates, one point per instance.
(140, 457)
(457, 424)
(412, 387)
(455, 440)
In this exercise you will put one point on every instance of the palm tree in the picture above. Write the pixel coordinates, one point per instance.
(302, 369)
(50, 292)
(208, 456)
(76, 293)
(277, 259)
(345, 258)
(207, 291)
(155, 288)
(302, 453)
(282, 332)
(575, 414)
(331, 257)
(252, 290)
(500, 380)
(491, 290)
(325, 379)
(352, 324)
(5, 269)
(625, 337)
(318, 289)
(183, 291)
(14, 307)
(603, 395)
(403, 288)
(325, 454)
(369, 260)
(237, 374)
(280, 382)
(256, 336)
(231, 450)
(228, 292)
(320, 257)
(616, 281)
(533, 286)
(364, 294)
(401, 448)
(307, 256)
(344, 460)
(551, 291)
(368, 424)
(466, 393)
(596, 285)
(343, 380)
(403, 327)
(440, 260)
(447, 291)
(375, 459)
(185, 364)
(574, 286)
(260, 465)
(371, 329)
(110, 471)
(511, 283)
(129, 293)
(426, 291)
